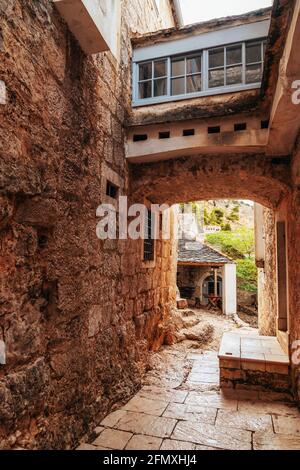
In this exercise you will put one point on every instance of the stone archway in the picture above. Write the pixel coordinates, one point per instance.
(256, 177)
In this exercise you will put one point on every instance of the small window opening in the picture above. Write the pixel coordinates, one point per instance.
(149, 241)
(140, 137)
(111, 190)
(42, 241)
(265, 124)
(43, 237)
(214, 130)
(188, 132)
(164, 135)
(240, 126)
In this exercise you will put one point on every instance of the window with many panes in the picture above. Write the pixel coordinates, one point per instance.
(225, 66)
(255, 53)
(153, 79)
(215, 70)
(186, 75)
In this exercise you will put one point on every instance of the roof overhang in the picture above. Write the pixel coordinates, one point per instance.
(199, 264)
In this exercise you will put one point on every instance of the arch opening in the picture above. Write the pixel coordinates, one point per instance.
(255, 177)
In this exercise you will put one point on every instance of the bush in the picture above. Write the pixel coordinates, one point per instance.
(247, 274)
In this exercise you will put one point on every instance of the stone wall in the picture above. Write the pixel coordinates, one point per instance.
(293, 213)
(209, 177)
(192, 276)
(267, 279)
(187, 276)
(77, 314)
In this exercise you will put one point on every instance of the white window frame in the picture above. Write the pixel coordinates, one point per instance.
(206, 91)
(185, 75)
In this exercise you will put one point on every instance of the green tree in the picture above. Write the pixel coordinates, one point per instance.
(226, 227)
(218, 216)
(234, 215)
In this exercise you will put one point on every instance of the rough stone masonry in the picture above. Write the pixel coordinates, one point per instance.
(76, 332)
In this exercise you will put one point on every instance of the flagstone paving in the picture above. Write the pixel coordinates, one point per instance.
(181, 407)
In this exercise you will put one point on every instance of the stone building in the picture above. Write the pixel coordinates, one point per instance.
(125, 101)
(203, 272)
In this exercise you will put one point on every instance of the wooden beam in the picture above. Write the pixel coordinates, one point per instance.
(196, 263)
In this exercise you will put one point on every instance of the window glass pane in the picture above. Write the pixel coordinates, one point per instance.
(216, 58)
(160, 87)
(193, 65)
(145, 89)
(193, 84)
(234, 55)
(253, 53)
(253, 73)
(160, 68)
(216, 78)
(178, 86)
(145, 71)
(234, 75)
(178, 67)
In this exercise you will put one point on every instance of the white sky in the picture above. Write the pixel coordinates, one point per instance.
(203, 10)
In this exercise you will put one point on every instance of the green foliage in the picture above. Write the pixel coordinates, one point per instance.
(234, 214)
(226, 227)
(216, 217)
(247, 274)
(219, 217)
(237, 244)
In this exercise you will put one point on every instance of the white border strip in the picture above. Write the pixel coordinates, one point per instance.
(241, 33)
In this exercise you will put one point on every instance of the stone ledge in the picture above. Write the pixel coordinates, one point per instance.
(253, 360)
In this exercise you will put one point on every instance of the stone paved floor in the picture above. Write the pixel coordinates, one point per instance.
(181, 407)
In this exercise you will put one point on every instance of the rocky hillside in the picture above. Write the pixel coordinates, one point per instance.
(237, 213)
